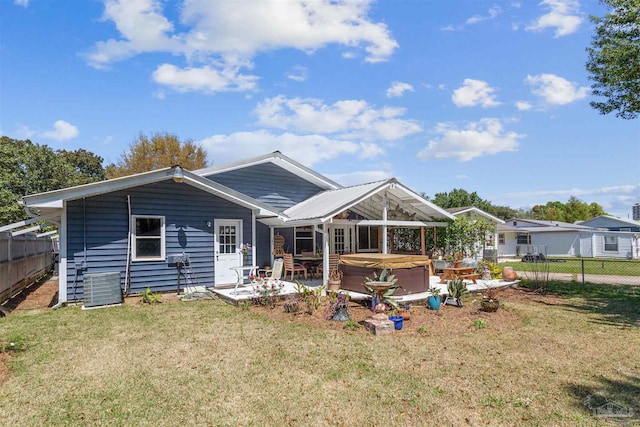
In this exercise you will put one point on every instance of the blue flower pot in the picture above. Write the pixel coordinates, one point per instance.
(433, 303)
(397, 321)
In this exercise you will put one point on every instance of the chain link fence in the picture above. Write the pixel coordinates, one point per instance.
(543, 269)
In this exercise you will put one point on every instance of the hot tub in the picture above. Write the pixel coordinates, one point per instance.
(412, 271)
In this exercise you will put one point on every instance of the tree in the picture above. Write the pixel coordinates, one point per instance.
(572, 211)
(614, 59)
(28, 168)
(162, 150)
(86, 164)
(459, 198)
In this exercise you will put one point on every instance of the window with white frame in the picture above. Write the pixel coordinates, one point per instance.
(611, 243)
(501, 238)
(304, 239)
(368, 239)
(148, 239)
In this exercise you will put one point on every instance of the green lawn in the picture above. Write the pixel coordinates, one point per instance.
(591, 266)
(208, 363)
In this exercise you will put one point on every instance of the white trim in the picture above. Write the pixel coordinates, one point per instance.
(134, 237)
(62, 258)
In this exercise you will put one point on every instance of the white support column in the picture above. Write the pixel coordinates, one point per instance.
(271, 234)
(253, 237)
(385, 207)
(325, 254)
(62, 257)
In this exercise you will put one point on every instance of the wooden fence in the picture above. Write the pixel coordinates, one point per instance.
(24, 259)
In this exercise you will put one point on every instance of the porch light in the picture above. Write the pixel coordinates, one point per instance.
(178, 176)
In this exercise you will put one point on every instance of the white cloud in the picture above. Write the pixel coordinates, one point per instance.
(23, 3)
(523, 105)
(474, 92)
(398, 89)
(491, 14)
(221, 36)
(563, 15)
(555, 89)
(483, 137)
(205, 79)
(297, 73)
(307, 149)
(352, 119)
(62, 131)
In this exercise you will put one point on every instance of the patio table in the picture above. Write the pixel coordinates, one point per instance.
(251, 269)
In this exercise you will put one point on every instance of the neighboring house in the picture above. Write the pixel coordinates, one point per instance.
(612, 223)
(137, 226)
(491, 242)
(517, 237)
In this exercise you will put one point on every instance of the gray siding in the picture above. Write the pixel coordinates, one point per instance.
(268, 183)
(101, 224)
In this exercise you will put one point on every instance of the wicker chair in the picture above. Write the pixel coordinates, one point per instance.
(290, 266)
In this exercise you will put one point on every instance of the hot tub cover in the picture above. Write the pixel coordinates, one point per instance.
(385, 260)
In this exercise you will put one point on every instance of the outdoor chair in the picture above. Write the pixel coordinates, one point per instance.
(334, 260)
(290, 266)
(276, 271)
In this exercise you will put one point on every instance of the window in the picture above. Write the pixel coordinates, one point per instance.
(501, 238)
(304, 239)
(148, 238)
(611, 243)
(368, 239)
(523, 239)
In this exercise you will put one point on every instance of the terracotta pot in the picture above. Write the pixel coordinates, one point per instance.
(508, 274)
(334, 285)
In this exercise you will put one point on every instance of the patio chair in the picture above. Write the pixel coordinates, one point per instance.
(276, 271)
(334, 260)
(290, 266)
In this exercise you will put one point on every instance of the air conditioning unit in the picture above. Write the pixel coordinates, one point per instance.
(102, 289)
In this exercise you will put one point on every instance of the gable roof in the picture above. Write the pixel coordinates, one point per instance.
(466, 209)
(615, 219)
(278, 159)
(366, 200)
(53, 201)
(541, 226)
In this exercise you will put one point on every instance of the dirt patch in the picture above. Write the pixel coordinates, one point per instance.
(38, 296)
(447, 320)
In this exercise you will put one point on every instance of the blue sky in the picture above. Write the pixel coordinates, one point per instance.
(491, 97)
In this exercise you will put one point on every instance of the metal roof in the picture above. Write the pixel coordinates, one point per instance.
(465, 209)
(367, 200)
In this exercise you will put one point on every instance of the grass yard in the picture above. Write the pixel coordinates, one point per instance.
(209, 363)
(591, 266)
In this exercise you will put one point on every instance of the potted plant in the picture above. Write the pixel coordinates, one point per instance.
(381, 287)
(457, 289)
(335, 278)
(434, 299)
(489, 302)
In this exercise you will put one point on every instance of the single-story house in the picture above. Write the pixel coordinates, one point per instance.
(518, 237)
(612, 223)
(140, 227)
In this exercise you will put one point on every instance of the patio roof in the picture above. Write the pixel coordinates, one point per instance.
(404, 207)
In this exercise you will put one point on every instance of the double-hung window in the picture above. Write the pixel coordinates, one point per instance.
(501, 238)
(148, 238)
(611, 243)
(523, 239)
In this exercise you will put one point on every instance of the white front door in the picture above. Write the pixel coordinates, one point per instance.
(227, 240)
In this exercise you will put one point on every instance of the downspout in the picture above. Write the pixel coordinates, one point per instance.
(385, 203)
(127, 271)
